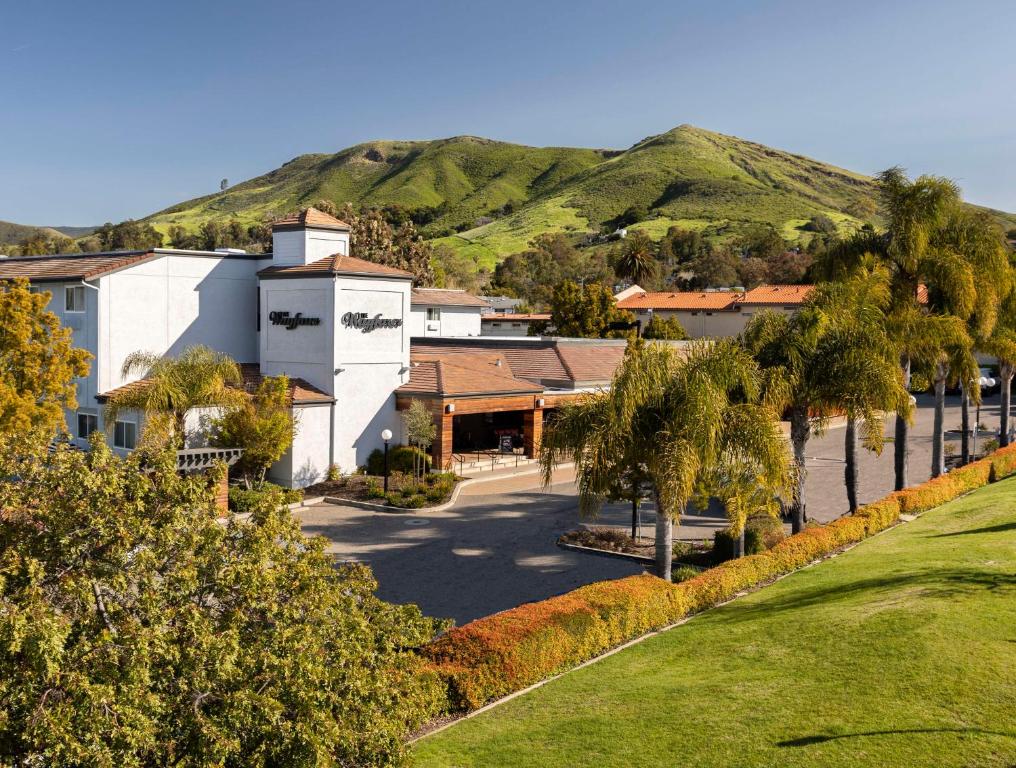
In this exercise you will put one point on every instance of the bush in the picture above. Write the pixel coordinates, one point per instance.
(503, 653)
(243, 500)
(760, 534)
(683, 573)
(400, 459)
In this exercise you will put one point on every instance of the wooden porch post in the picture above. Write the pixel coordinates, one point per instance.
(442, 454)
(532, 429)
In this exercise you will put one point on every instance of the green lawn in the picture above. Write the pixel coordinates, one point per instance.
(901, 652)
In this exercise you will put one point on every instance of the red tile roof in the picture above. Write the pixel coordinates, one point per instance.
(70, 266)
(445, 297)
(309, 218)
(300, 392)
(462, 374)
(335, 265)
(680, 300)
(777, 294)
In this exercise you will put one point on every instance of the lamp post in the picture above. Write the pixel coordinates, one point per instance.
(982, 382)
(386, 435)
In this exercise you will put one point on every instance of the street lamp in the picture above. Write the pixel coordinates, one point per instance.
(983, 382)
(386, 435)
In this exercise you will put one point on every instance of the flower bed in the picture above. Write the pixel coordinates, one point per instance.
(497, 655)
(404, 491)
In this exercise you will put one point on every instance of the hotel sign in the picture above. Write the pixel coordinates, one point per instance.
(290, 322)
(362, 322)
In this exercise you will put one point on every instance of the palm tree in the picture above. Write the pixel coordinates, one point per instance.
(856, 308)
(686, 420)
(916, 249)
(637, 260)
(171, 386)
(821, 361)
(1002, 344)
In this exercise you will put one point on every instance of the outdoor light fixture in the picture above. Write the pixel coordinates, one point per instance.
(539, 402)
(450, 408)
(386, 435)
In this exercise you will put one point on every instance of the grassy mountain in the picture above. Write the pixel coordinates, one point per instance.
(11, 233)
(688, 176)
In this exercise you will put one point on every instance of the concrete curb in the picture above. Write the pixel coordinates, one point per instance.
(371, 506)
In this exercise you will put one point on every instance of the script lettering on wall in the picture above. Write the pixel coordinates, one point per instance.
(365, 324)
(290, 322)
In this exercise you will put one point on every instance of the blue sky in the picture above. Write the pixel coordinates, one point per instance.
(113, 109)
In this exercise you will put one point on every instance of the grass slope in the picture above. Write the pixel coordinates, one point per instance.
(687, 176)
(901, 652)
(11, 233)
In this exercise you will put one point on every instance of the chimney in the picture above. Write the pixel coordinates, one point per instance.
(308, 236)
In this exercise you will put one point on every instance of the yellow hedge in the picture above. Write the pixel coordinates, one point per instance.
(497, 655)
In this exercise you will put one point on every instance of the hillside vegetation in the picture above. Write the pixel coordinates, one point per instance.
(11, 233)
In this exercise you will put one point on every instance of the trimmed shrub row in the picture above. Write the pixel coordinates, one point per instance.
(497, 655)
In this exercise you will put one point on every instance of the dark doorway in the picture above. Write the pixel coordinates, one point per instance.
(484, 431)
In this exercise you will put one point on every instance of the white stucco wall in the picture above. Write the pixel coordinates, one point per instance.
(306, 461)
(505, 326)
(454, 321)
(303, 246)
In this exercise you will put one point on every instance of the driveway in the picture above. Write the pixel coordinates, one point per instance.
(496, 548)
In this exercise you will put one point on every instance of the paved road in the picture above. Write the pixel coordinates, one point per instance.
(496, 548)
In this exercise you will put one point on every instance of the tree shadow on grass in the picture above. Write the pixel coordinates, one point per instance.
(1000, 528)
(919, 584)
(822, 738)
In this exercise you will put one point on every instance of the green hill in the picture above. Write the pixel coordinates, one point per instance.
(11, 233)
(688, 176)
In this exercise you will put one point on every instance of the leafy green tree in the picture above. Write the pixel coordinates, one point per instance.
(262, 424)
(1002, 344)
(682, 245)
(816, 366)
(373, 239)
(664, 328)
(761, 241)
(141, 629)
(198, 377)
(38, 363)
(128, 235)
(636, 260)
(693, 423)
(550, 259)
(822, 224)
(588, 312)
(420, 432)
(633, 214)
(715, 268)
(753, 271)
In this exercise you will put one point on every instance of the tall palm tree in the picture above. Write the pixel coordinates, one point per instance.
(685, 419)
(1002, 344)
(915, 250)
(171, 386)
(856, 312)
(820, 363)
(637, 260)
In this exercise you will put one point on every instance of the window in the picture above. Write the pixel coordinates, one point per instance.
(125, 435)
(74, 298)
(433, 313)
(87, 424)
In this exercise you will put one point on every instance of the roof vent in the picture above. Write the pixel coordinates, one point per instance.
(498, 362)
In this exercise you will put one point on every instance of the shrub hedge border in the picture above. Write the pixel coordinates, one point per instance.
(504, 653)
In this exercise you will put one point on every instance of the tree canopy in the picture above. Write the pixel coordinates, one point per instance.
(138, 629)
(38, 362)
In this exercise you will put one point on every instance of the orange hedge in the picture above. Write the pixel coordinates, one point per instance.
(497, 655)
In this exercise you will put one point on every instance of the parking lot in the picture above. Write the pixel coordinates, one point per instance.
(496, 548)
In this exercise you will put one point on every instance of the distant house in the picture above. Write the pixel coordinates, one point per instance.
(445, 312)
(713, 313)
(511, 324)
(501, 305)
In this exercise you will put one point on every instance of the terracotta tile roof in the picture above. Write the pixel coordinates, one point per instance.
(70, 266)
(777, 294)
(533, 362)
(680, 300)
(445, 297)
(300, 392)
(335, 265)
(461, 374)
(528, 317)
(309, 217)
(590, 364)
